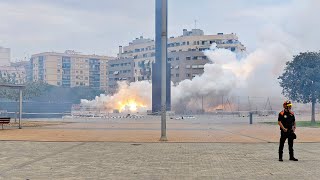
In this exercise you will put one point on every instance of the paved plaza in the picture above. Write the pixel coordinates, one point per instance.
(203, 147)
(105, 160)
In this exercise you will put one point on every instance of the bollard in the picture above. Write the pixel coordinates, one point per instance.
(251, 117)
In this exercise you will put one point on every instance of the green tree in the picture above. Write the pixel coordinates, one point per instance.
(301, 79)
(32, 89)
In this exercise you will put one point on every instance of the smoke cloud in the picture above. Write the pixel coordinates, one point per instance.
(253, 74)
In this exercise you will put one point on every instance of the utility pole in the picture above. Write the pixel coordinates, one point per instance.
(20, 107)
(202, 105)
(161, 50)
(238, 103)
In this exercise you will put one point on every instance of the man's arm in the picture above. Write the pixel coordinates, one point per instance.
(280, 117)
(281, 126)
(294, 123)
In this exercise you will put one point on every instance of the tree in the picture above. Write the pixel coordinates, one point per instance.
(32, 89)
(301, 79)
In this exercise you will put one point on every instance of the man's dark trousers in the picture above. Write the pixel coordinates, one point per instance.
(284, 136)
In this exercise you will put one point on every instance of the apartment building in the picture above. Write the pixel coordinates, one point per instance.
(70, 69)
(185, 53)
(121, 69)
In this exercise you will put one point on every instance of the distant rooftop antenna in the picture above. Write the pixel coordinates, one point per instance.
(195, 24)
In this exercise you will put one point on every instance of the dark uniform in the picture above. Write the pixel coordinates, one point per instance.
(287, 119)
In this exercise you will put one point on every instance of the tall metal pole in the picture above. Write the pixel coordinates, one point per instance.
(161, 17)
(20, 108)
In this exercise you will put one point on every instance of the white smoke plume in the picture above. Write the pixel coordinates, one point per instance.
(255, 75)
(215, 81)
(252, 75)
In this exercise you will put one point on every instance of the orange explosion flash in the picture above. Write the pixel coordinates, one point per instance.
(131, 105)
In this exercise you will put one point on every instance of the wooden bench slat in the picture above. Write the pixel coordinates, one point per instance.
(4, 120)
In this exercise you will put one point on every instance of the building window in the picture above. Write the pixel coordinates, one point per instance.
(169, 59)
(177, 58)
(195, 57)
(188, 58)
(177, 75)
(188, 75)
(201, 66)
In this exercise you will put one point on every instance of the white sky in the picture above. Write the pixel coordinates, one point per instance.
(100, 26)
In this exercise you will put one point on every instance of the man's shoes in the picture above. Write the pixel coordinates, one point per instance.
(280, 156)
(293, 159)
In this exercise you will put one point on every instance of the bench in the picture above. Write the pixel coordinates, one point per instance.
(4, 120)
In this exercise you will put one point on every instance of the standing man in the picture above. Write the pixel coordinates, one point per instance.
(287, 123)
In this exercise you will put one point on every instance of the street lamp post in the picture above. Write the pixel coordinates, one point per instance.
(161, 43)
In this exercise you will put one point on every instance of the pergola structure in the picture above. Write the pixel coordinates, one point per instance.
(20, 87)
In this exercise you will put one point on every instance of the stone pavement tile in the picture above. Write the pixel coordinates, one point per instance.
(104, 160)
(14, 155)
